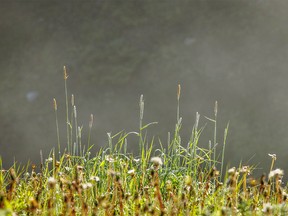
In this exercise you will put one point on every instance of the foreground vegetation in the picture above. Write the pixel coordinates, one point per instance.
(175, 179)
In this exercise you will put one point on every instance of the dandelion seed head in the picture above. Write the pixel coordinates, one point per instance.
(267, 208)
(157, 161)
(276, 172)
(51, 182)
(232, 171)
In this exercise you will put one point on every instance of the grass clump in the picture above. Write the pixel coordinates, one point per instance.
(172, 180)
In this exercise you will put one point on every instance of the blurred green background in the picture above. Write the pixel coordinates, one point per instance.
(234, 52)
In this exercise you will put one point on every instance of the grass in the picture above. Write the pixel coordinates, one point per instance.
(174, 179)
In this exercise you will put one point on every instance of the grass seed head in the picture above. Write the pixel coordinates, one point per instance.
(179, 92)
(55, 104)
(91, 121)
(75, 111)
(65, 73)
(216, 108)
(72, 100)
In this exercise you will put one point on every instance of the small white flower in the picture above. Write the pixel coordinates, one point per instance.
(156, 161)
(109, 159)
(199, 157)
(245, 169)
(87, 185)
(68, 169)
(95, 178)
(60, 174)
(267, 208)
(51, 180)
(273, 156)
(49, 160)
(137, 160)
(27, 174)
(131, 172)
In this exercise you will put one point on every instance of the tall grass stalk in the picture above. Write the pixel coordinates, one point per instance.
(90, 129)
(178, 101)
(76, 146)
(141, 114)
(80, 140)
(57, 126)
(215, 131)
(67, 108)
(71, 124)
(223, 150)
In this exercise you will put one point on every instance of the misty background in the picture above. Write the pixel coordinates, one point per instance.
(235, 52)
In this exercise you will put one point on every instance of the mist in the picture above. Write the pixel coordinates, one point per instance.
(233, 52)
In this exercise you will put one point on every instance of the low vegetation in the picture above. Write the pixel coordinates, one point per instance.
(175, 179)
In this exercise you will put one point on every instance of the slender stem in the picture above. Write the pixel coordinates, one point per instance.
(90, 128)
(141, 114)
(57, 126)
(76, 131)
(178, 101)
(224, 145)
(67, 108)
(215, 132)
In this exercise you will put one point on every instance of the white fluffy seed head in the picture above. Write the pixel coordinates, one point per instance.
(276, 172)
(157, 161)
